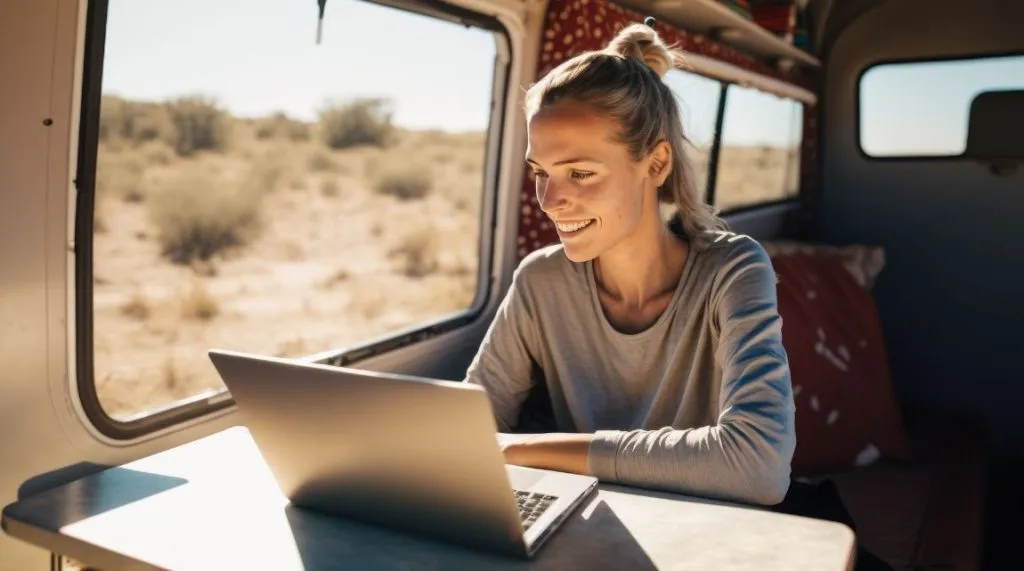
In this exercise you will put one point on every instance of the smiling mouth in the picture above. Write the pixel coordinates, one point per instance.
(573, 227)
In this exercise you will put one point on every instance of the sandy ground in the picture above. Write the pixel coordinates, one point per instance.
(336, 262)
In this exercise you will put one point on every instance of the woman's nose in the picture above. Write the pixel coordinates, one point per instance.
(551, 196)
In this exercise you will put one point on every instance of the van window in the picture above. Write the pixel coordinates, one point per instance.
(759, 159)
(698, 98)
(921, 108)
(261, 192)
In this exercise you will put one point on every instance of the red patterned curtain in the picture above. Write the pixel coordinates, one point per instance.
(575, 26)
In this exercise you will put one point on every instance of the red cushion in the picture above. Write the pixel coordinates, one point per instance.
(846, 409)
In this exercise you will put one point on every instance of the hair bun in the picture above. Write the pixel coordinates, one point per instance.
(641, 42)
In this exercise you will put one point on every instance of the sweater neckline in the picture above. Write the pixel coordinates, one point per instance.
(659, 323)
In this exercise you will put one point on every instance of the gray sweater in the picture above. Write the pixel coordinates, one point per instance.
(699, 403)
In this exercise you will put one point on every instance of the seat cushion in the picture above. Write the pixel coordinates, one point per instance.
(887, 502)
(925, 513)
(846, 409)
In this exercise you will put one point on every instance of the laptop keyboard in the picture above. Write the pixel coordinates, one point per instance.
(531, 506)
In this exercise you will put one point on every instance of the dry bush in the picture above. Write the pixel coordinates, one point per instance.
(120, 175)
(137, 307)
(134, 122)
(199, 124)
(204, 268)
(320, 161)
(265, 175)
(360, 122)
(197, 216)
(416, 253)
(298, 182)
(280, 126)
(405, 180)
(198, 304)
(157, 153)
(188, 125)
(329, 187)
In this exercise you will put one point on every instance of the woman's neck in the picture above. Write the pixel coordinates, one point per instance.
(642, 267)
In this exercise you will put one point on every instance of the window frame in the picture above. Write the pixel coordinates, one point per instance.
(729, 75)
(708, 193)
(217, 400)
(858, 103)
(712, 190)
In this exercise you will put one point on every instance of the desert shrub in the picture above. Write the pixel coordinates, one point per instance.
(360, 122)
(120, 175)
(137, 307)
(280, 126)
(320, 161)
(135, 122)
(157, 153)
(197, 217)
(329, 187)
(199, 125)
(198, 304)
(267, 173)
(416, 253)
(403, 180)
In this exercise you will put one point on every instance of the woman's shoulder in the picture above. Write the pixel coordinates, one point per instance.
(544, 263)
(727, 245)
(725, 253)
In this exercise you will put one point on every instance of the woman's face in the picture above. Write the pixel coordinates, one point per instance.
(595, 195)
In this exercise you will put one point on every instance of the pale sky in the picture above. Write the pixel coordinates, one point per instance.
(257, 57)
(260, 56)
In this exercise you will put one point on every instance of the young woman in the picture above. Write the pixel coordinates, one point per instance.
(659, 345)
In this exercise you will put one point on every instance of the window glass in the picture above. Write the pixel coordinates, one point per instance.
(919, 109)
(698, 98)
(759, 160)
(261, 192)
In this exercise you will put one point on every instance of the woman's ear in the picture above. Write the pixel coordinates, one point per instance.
(660, 163)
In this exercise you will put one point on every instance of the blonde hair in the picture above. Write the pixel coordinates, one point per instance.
(623, 81)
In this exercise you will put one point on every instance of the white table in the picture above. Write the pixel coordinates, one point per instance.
(213, 504)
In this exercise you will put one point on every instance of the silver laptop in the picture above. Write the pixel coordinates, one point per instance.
(409, 453)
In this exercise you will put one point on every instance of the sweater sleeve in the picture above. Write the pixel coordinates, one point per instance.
(746, 455)
(503, 362)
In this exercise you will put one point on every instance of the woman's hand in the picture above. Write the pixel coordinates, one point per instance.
(564, 452)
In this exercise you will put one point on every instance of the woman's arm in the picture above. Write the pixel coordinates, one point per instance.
(503, 362)
(565, 452)
(746, 455)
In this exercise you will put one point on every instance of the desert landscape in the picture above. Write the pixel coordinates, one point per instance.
(289, 238)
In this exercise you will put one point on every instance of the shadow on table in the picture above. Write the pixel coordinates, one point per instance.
(593, 537)
(74, 493)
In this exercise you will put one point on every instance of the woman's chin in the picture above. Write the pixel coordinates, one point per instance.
(578, 253)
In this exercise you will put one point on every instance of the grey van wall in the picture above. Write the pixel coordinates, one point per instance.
(952, 294)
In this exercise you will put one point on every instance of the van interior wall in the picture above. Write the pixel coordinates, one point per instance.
(949, 296)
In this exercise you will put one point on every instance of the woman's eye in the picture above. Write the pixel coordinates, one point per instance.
(539, 174)
(581, 175)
